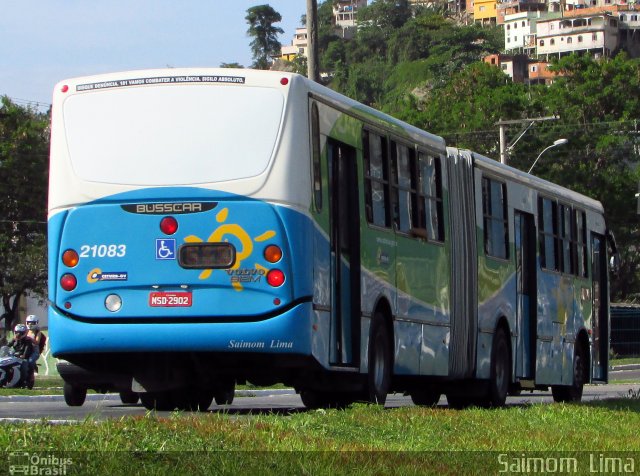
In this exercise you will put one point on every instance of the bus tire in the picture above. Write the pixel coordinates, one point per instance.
(380, 362)
(204, 398)
(500, 370)
(128, 397)
(425, 398)
(74, 396)
(460, 402)
(159, 401)
(224, 392)
(573, 392)
(313, 399)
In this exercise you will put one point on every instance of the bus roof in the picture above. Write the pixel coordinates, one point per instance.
(552, 189)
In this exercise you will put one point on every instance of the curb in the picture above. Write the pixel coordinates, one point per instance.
(620, 368)
(98, 397)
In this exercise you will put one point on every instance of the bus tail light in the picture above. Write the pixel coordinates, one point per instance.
(70, 258)
(168, 225)
(68, 282)
(272, 253)
(275, 278)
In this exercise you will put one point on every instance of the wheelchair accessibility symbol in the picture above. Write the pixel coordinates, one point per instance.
(165, 248)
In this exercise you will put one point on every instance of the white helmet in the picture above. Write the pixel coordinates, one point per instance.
(32, 321)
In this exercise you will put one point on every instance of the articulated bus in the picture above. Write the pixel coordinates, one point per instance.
(209, 227)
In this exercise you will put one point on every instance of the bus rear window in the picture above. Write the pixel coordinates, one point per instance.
(164, 135)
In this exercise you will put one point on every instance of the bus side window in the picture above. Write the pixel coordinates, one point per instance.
(568, 243)
(404, 187)
(429, 214)
(377, 179)
(315, 150)
(581, 233)
(548, 224)
(496, 227)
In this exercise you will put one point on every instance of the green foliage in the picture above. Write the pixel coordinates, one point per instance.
(426, 70)
(389, 38)
(385, 16)
(231, 65)
(362, 439)
(24, 150)
(598, 106)
(265, 44)
(473, 101)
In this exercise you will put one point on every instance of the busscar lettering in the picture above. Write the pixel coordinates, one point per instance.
(162, 208)
(169, 208)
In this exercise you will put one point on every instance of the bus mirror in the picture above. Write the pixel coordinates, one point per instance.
(614, 264)
(614, 261)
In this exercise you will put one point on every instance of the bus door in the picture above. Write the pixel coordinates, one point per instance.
(345, 254)
(525, 248)
(600, 313)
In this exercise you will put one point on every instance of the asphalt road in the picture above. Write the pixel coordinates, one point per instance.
(99, 406)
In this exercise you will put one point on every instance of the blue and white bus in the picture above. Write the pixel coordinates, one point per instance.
(209, 227)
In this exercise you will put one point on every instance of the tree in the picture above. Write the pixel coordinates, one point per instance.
(265, 44)
(24, 149)
(597, 104)
(387, 15)
(231, 65)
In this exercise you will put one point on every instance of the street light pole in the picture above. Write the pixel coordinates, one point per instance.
(505, 148)
(555, 144)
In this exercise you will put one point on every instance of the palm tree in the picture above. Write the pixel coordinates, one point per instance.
(265, 42)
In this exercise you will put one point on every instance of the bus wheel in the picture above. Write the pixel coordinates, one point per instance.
(427, 398)
(191, 399)
(159, 401)
(460, 402)
(573, 392)
(313, 399)
(203, 399)
(500, 370)
(379, 378)
(74, 396)
(225, 391)
(128, 397)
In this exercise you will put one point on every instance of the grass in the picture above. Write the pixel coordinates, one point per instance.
(43, 386)
(362, 439)
(625, 361)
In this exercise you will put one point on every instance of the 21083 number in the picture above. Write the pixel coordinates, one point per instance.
(103, 251)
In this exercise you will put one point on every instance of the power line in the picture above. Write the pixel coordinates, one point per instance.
(29, 222)
(29, 102)
(632, 127)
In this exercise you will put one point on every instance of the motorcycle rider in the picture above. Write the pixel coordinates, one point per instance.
(23, 347)
(39, 339)
(36, 334)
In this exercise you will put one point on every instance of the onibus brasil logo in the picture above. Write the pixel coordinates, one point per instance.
(232, 230)
(22, 462)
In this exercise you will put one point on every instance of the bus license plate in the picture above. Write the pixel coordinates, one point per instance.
(163, 299)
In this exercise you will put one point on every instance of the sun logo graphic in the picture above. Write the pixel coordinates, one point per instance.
(223, 233)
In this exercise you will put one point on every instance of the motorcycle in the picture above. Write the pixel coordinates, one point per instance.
(10, 369)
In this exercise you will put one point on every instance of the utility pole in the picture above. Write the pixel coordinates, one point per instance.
(313, 68)
(527, 124)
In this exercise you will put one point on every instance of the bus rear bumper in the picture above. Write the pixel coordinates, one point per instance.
(286, 333)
